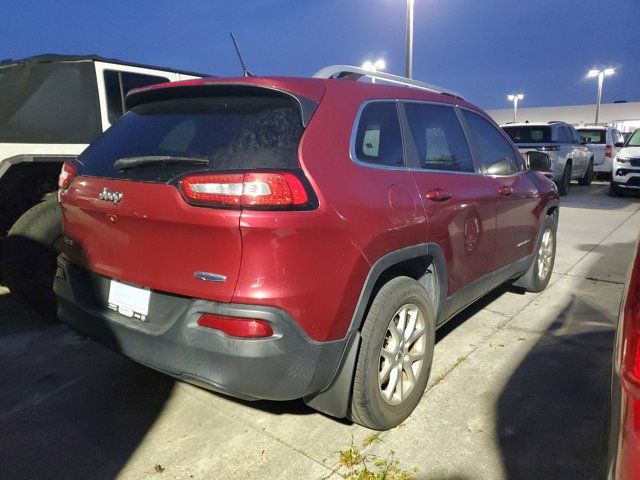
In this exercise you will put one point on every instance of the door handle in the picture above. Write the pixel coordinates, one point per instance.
(438, 196)
(504, 190)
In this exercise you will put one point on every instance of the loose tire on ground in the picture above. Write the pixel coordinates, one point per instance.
(586, 180)
(537, 277)
(375, 369)
(29, 252)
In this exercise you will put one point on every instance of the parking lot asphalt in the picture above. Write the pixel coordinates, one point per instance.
(518, 389)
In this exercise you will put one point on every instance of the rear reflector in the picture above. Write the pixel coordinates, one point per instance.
(608, 151)
(237, 327)
(255, 189)
(66, 175)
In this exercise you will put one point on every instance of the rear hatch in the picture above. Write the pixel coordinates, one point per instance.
(532, 138)
(133, 211)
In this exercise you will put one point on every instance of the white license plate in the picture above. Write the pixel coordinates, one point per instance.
(132, 302)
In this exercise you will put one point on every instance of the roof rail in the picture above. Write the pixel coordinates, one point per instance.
(348, 72)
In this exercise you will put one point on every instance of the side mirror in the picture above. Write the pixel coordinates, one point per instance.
(501, 167)
(585, 140)
(618, 144)
(538, 161)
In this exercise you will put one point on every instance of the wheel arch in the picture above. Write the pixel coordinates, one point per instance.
(423, 262)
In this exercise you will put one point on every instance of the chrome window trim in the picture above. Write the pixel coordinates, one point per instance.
(354, 133)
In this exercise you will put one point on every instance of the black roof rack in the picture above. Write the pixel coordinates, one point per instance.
(51, 57)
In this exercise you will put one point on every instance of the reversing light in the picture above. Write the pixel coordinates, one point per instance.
(237, 327)
(251, 189)
(67, 174)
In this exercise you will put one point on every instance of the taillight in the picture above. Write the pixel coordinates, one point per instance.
(67, 173)
(251, 189)
(550, 148)
(628, 347)
(608, 151)
(237, 327)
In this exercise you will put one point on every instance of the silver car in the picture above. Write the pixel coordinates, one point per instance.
(571, 158)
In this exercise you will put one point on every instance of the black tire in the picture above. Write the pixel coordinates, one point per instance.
(565, 181)
(533, 281)
(29, 254)
(614, 189)
(368, 407)
(586, 180)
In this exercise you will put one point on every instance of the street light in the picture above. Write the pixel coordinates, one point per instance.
(379, 64)
(409, 53)
(600, 74)
(515, 98)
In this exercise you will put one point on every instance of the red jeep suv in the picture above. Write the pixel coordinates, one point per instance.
(284, 238)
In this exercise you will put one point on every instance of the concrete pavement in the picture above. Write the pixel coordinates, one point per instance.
(518, 389)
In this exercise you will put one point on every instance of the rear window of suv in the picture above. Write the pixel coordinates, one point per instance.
(529, 134)
(218, 133)
(594, 136)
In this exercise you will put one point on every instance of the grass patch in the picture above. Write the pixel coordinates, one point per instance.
(354, 465)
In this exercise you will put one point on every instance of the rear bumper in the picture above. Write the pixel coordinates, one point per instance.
(605, 167)
(286, 366)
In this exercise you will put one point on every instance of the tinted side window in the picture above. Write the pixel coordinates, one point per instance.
(494, 151)
(378, 138)
(117, 84)
(439, 138)
(573, 135)
(562, 135)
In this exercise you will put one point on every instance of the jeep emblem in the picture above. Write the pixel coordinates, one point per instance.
(110, 196)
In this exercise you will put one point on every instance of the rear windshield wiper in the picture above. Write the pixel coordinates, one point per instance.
(127, 163)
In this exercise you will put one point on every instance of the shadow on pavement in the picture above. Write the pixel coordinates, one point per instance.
(595, 197)
(553, 411)
(69, 408)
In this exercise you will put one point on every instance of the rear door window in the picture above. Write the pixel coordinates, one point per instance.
(163, 139)
(117, 85)
(563, 136)
(494, 151)
(378, 139)
(439, 138)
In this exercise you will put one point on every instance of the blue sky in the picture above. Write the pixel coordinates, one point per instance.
(483, 49)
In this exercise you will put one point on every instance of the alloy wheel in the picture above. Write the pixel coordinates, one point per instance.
(545, 254)
(402, 354)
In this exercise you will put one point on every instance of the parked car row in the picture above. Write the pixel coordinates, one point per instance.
(580, 154)
(571, 158)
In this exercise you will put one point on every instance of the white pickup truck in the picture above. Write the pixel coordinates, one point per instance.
(571, 158)
(51, 108)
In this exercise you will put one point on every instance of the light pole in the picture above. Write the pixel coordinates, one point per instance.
(600, 74)
(379, 64)
(408, 70)
(515, 98)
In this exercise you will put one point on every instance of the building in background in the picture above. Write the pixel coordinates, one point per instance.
(624, 116)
